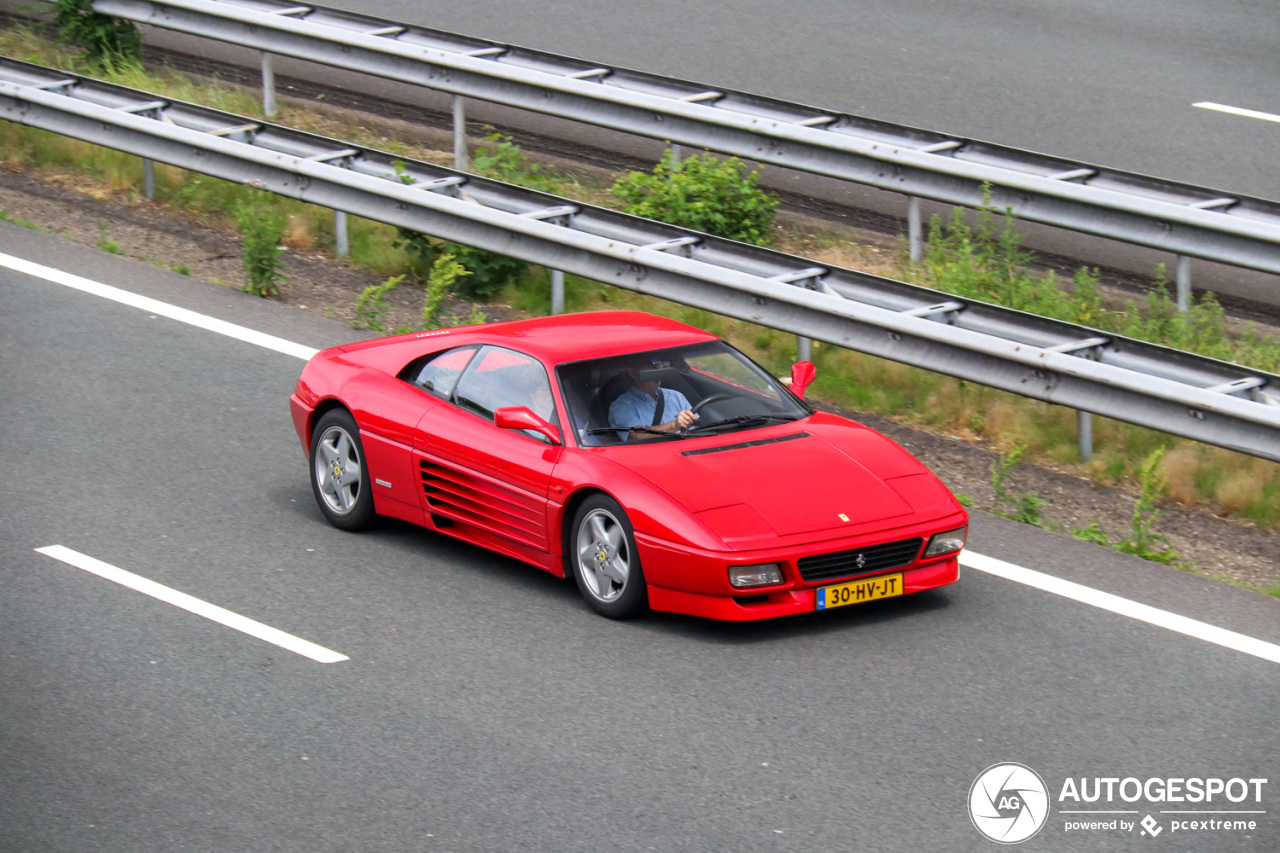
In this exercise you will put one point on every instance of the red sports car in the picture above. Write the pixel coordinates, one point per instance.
(649, 460)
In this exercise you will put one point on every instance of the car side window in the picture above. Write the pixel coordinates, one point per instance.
(439, 374)
(499, 377)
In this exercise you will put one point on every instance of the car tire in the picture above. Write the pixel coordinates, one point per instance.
(603, 558)
(339, 474)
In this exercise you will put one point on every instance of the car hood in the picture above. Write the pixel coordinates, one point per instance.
(755, 488)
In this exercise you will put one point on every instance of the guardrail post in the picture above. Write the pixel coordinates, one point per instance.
(341, 244)
(804, 349)
(557, 292)
(268, 86)
(676, 153)
(1084, 433)
(460, 160)
(1184, 282)
(149, 177)
(915, 233)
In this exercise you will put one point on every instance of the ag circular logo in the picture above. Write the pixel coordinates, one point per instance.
(1008, 803)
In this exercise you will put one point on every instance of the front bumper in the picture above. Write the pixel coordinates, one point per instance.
(695, 582)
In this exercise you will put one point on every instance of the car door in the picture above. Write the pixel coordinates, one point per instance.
(482, 482)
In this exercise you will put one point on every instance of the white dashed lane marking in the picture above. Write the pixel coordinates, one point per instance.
(1236, 111)
(190, 603)
(1123, 606)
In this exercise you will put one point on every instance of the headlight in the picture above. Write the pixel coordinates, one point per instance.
(767, 574)
(945, 543)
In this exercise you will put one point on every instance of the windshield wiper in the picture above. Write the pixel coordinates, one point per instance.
(645, 429)
(744, 420)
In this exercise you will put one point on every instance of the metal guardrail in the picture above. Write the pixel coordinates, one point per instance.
(1179, 218)
(1167, 390)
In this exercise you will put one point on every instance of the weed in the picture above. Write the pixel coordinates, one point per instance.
(371, 305)
(445, 272)
(105, 244)
(261, 229)
(180, 269)
(22, 223)
(1025, 506)
(402, 173)
(1093, 534)
(1143, 541)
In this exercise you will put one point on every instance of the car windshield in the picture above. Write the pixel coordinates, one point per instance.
(639, 396)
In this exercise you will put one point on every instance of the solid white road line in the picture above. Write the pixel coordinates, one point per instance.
(1237, 111)
(155, 306)
(192, 604)
(1123, 606)
(1008, 571)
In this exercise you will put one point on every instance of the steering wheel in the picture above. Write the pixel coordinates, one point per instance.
(714, 398)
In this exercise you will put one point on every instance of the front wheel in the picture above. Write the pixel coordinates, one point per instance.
(604, 559)
(339, 475)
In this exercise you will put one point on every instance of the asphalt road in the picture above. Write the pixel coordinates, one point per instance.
(483, 707)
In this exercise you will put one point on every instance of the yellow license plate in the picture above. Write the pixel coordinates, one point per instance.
(856, 592)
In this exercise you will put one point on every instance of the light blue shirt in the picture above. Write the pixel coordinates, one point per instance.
(635, 408)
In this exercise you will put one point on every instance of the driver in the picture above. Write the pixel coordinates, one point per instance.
(647, 404)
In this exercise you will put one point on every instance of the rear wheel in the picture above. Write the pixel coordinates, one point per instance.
(604, 559)
(339, 476)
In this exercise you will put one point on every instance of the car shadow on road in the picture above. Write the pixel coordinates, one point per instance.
(849, 619)
(465, 559)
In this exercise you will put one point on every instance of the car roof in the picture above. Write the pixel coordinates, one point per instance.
(553, 340)
(595, 334)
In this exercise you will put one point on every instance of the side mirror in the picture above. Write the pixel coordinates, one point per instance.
(802, 375)
(522, 417)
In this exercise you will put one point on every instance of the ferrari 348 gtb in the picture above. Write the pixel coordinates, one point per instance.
(649, 460)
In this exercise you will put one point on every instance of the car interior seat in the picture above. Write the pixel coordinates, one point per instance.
(611, 389)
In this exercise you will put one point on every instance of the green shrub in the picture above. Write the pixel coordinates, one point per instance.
(703, 192)
(497, 156)
(487, 272)
(418, 248)
(105, 41)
